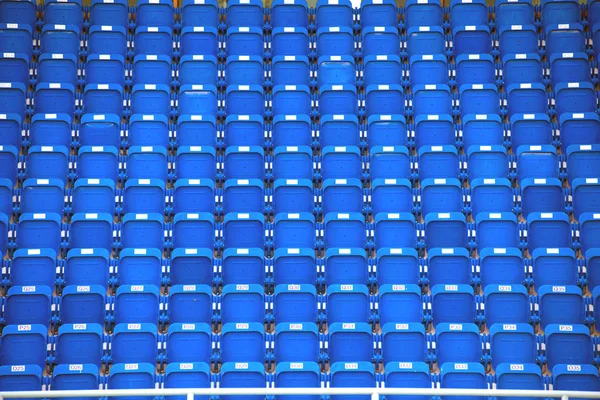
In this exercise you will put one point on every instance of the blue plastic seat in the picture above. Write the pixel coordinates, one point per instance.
(293, 162)
(380, 40)
(400, 303)
(397, 265)
(244, 230)
(428, 69)
(334, 13)
(335, 41)
(150, 13)
(91, 230)
(445, 230)
(293, 375)
(16, 11)
(568, 344)
(425, 40)
(243, 195)
(387, 99)
(575, 377)
(527, 98)
(501, 266)
(386, 130)
(382, 70)
(441, 195)
(10, 130)
(24, 345)
(479, 99)
(198, 70)
(342, 195)
(75, 377)
(404, 342)
(475, 68)
(199, 14)
(83, 304)
(142, 231)
(506, 304)
(151, 69)
(350, 342)
(50, 130)
(6, 199)
(242, 303)
(58, 68)
(190, 304)
(509, 13)
(338, 99)
(188, 343)
(548, 230)
(579, 128)
(57, 98)
(438, 162)
(154, 40)
(244, 162)
(4, 230)
(588, 226)
(16, 37)
(193, 230)
(361, 374)
(60, 39)
(395, 230)
(560, 305)
(289, 13)
(100, 130)
(583, 161)
(28, 305)
(41, 196)
(147, 162)
(148, 130)
(293, 195)
(341, 162)
(344, 230)
(20, 377)
(453, 304)
(107, 39)
(196, 130)
(98, 162)
(192, 266)
(13, 99)
(287, 100)
(196, 162)
(106, 12)
(33, 267)
(569, 67)
(429, 99)
(241, 99)
(39, 230)
(339, 130)
(291, 130)
(245, 41)
(87, 267)
(472, 39)
(68, 12)
(407, 375)
(482, 130)
(512, 343)
(434, 130)
(243, 266)
(533, 190)
(378, 14)
(137, 304)
(243, 69)
(184, 375)
(296, 341)
(530, 129)
(465, 376)
(519, 376)
(242, 375)
(537, 161)
(517, 39)
(337, 69)
(468, 13)
(294, 266)
(346, 266)
(585, 192)
(449, 266)
(289, 41)
(564, 38)
(575, 97)
(348, 303)
(497, 229)
(140, 267)
(455, 342)
(554, 266)
(47, 162)
(241, 13)
(295, 303)
(390, 195)
(522, 68)
(131, 376)
(294, 230)
(103, 99)
(596, 35)
(194, 38)
(423, 13)
(290, 70)
(152, 99)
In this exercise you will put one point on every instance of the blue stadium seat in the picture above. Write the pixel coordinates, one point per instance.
(568, 344)
(290, 70)
(137, 303)
(501, 266)
(389, 195)
(527, 98)
(40, 195)
(438, 162)
(291, 195)
(530, 129)
(24, 345)
(456, 342)
(395, 230)
(387, 99)
(242, 303)
(16, 37)
(593, 13)
(334, 13)
(338, 99)
(289, 41)
(407, 375)
(341, 162)
(481, 130)
(429, 99)
(106, 12)
(243, 266)
(339, 130)
(16, 11)
(244, 162)
(140, 267)
(100, 130)
(243, 69)
(6, 199)
(296, 341)
(75, 377)
(517, 39)
(397, 265)
(33, 267)
(147, 162)
(560, 305)
(107, 39)
(381, 70)
(142, 231)
(348, 303)
(10, 128)
(463, 375)
(390, 162)
(423, 13)
(548, 230)
(28, 305)
(337, 70)
(294, 303)
(198, 70)
(400, 303)
(148, 130)
(519, 376)
(468, 13)
(512, 343)
(47, 162)
(346, 266)
(87, 267)
(195, 130)
(193, 230)
(134, 342)
(506, 304)
(522, 68)
(50, 130)
(56, 98)
(149, 69)
(20, 377)
(191, 266)
(425, 40)
(91, 230)
(575, 97)
(575, 377)
(554, 266)
(361, 374)
(152, 99)
(294, 230)
(60, 39)
(196, 162)
(13, 99)
(533, 190)
(564, 38)
(537, 162)
(569, 67)
(445, 230)
(291, 130)
(188, 343)
(579, 128)
(245, 41)
(39, 230)
(428, 69)
(497, 229)
(441, 195)
(242, 375)
(83, 304)
(585, 192)
(57, 68)
(154, 40)
(131, 376)
(344, 230)
(509, 13)
(453, 303)
(350, 342)
(404, 342)
(380, 40)
(15, 68)
(103, 99)
(335, 41)
(287, 100)
(588, 227)
(68, 12)
(151, 13)
(8, 163)
(243, 230)
(91, 195)
(448, 266)
(4, 231)
(373, 13)
(293, 375)
(294, 266)
(98, 162)
(472, 39)
(190, 304)
(342, 195)
(386, 130)
(289, 13)
(184, 375)
(194, 38)
(242, 13)
(475, 68)
(479, 99)
(243, 195)
(583, 161)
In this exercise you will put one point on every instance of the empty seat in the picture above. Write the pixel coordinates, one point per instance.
(341, 162)
(583, 161)
(475, 68)
(554, 266)
(428, 13)
(183, 375)
(428, 69)
(194, 130)
(472, 39)
(243, 266)
(588, 227)
(291, 195)
(441, 195)
(242, 375)
(39, 230)
(100, 130)
(294, 230)
(389, 195)
(243, 195)
(429, 99)
(98, 162)
(33, 267)
(390, 162)
(296, 341)
(105, 12)
(522, 68)
(457, 343)
(103, 99)
(240, 13)
(508, 13)
(47, 162)
(140, 267)
(380, 70)
(569, 67)
(193, 230)
(58, 68)
(295, 303)
(497, 229)
(57, 98)
(533, 190)
(512, 343)
(289, 99)
(196, 162)
(527, 98)
(453, 303)
(585, 198)
(575, 97)
(397, 265)
(198, 69)
(60, 39)
(245, 41)
(575, 377)
(548, 230)
(400, 303)
(530, 129)
(83, 304)
(438, 162)
(289, 14)
(69, 12)
(148, 130)
(153, 40)
(387, 99)
(243, 230)
(424, 39)
(16, 37)
(339, 130)
(6, 200)
(291, 130)
(10, 128)
(560, 305)
(568, 344)
(491, 195)
(337, 70)
(338, 99)
(564, 37)
(50, 130)
(41, 196)
(142, 231)
(361, 374)
(380, 40)
(293, 375)
(151, 13)
(24, 345)
(107, 39)
(506, 304)
(188, 343)
(191, 266)
(404, 342)
(434, 130)
(75, 377)
(537, 162)
(342, 195)
(20, 377)
(335, 41)
(244, 162)
(4, 231)
(91, 230)
(332, 13)
(386, 130)
(290, 70)
(242, 303)
(152, 99)
(21, 12)
(350, 342)
(289, 41)
(395, 230)
(479, 99)
(346, 266)
(579, 128)
(190, 304)
(344, 230)
(13, 99)
(467, 13)
(243, 69)
(517, 39)
(407, 375)
(87, 267)
(137, 304)
(348, 303)
(501, 266)
(194, 38)
(294, 266)
(448, 266)
(131, 376)
(149, 69)
(28, 305)
(445, 230)
(467, 376)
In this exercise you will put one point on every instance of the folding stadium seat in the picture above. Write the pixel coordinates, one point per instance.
(60, 39)
(58, 68)
(243, 41)
(519, 376)
(190, 304)
(575, 377)
(405, 342)
(517, 39)
(530, 129)
(242, 375)
(498, 229)
(453, 303)
(595, 35)
(147, 162)
(58, 98)
(199, 14)
(10, 130)
(588, 227)
(569, 67)
(242, 303)
(548, 230)
(243, 266)
(428, 99)
(152, 69)
(152, 99)
(445, 230)
(100, 130)
(527, 98)
(24, 345)
(350, 342)
(68, 12)
(148, 130)
(537, 161)
(106, 12)
(338, 99)
(472, 39)
(28, 305)
(575, 97)
(335, 41)
(479, 99)
(467, 13)
(137, 304)
(290, 41)
(244, 69)
(522, 68)
(154, 40)
(151, 13)
(91, 230)
(467, 376)
(585, 196)
(4, 226)
(438, 162)
(564, 38)
(296, 341)
(560, 305)
(13, 99)
(194, 38)
(291, 130)
(140, 267)
(400, 303)
(583, 162)
(75, 377)
(352, 375)
(423, 13)
(373, 13)
(554, 266)
(41, 196)
(427, 69)
(243, 195)
(293, 375)
(434, 130)
(407, 375)
(293, 303)
(290, 70)
(244, 162)
(83, 305)
(579, 128)
(341, 195)
(98, 162)
(481, 130)
(240, 13)
(568, 344)
(193, 230)
(337, 70)
(381, 70)
(244, 230)
(386, 130)
(6, 197)
(441, 195)
(541, 195)
(47, 162)
(131, 376)
(293, 195)
(293, 13)
(198, 97)
(107, 39)
(20, 377)
(191, 266)
(294, 266)
(188, 343)
(287, 100)
(33, 267)
(506, 304)
(390, 195)
(334, 13)
(508, 13)
(103, 99)
(501, 266)
(344, 230)
(339, 130)
(395, 230)
(198, 69)
(449, 266)
(196, 130)
(293, 162)
(142, 231)
(380, 40)
(397, 265)
(346, 266)
(20, 12)
(50, 130)
(294, 230)
(348, 303)
(341, 162)
(187, 375)
(87, 267)
(16, 37)
(196, 162)
(38, 230)
(456, 342)
(388, 99)
(475, 68)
